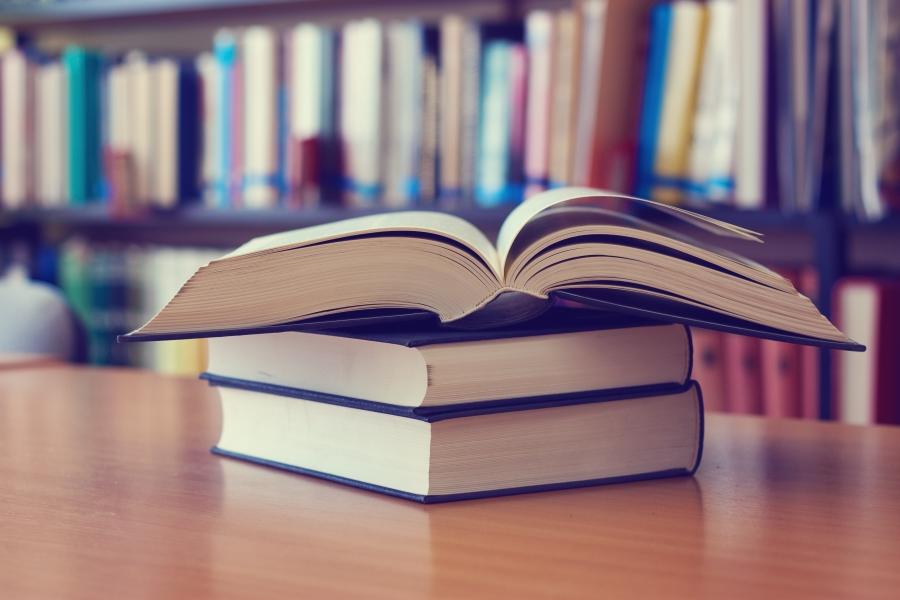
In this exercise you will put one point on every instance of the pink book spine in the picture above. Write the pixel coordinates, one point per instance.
(809, 356)
(781, 371)
(540, 35)
(781, 380)
(709, 368)
(237, 132)
(742, 374)
(518, 72)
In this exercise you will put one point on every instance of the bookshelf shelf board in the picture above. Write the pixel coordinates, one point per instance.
(191, 225)
(70, 14)
(35, 12)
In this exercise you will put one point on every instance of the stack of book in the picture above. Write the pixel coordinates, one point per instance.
(434, 414)
(329, 359)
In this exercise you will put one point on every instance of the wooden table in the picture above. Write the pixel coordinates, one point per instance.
(107, 490)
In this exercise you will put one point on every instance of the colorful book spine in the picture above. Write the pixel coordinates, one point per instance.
(225, 53)
(17, 97)
(82, 70)
(260, 117)
(651, 106)
(494, 142)
(686, 43)
(539, 36)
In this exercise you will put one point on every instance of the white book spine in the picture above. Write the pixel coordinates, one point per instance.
(208, 71)
(539, 38)
(361, 77)
(750, 182)
(142, 126)
(306, 82)
(676, 120)
(715, 115)
(165, 85)
(405, 62)
(15, 128)
(593, 18)
(260, 54)
(50, 168)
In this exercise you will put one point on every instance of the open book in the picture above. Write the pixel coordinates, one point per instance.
(561, 244)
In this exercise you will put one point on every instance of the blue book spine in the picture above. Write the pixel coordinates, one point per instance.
(492, 185)
(188, 132)
(225, 52)
(648, 131)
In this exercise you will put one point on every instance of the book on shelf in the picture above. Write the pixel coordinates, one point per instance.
(867, 387)
(708, 368)
(558, 244)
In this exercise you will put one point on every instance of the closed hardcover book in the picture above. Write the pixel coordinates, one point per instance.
(419, 365)
(556, 442)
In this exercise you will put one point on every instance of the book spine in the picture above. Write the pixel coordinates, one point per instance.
(651, 110)
(539, 35)
(742, 374)
(709, 368)
(494, 142)
(225, 53)
(711, 151)
(750, 137)
(259, 57)
(688, 37)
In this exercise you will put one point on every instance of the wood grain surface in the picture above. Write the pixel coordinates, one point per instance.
(107, 490)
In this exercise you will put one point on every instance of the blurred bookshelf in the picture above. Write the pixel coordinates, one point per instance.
(823, 197)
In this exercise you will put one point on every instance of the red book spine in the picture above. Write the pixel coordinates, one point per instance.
(780, 365)
(709, 368)
(236, 185)
(780, 369)
(809, 355)
(742, 374)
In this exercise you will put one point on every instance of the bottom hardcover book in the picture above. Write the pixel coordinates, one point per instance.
(542, 444)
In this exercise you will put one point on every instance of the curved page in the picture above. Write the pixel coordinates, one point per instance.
(529, 209)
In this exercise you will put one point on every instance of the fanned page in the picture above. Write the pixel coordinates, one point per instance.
(532, 207)
(404, 262)
(563, 241)
(427, 222)
(566, 240)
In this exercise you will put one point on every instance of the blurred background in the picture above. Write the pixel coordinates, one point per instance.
(139, 140)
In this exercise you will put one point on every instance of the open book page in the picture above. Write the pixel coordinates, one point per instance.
(567, 222)
(530, 208)
(433, 223)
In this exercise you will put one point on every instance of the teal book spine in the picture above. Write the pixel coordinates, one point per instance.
(82, 72)
(492, 184)
(648, 131)
(225, 52)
